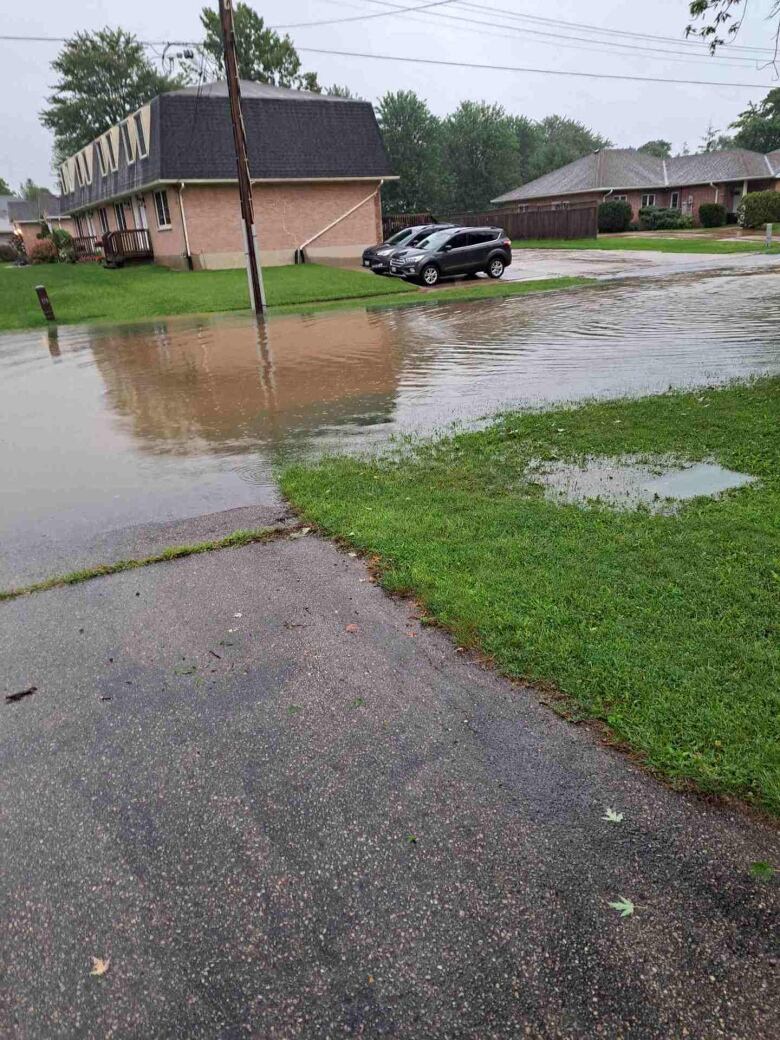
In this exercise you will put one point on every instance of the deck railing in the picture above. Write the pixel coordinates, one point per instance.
(135, 244)
(87, 247)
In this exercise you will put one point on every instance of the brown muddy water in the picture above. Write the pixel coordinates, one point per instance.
(104, 427)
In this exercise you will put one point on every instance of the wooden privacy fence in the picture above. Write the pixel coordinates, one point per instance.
(397, 221)
(569, 222)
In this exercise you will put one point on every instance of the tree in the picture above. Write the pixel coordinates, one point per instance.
(30, 190)
(758, 127)
(339, 90)
(103, 77)
(561, 141)
(659, 148)
(529, 138)
(480, 154)
(263, 55)
(412, 139)
(722, 20)
(5, 188)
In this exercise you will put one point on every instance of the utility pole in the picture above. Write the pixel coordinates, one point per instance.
(255, 274)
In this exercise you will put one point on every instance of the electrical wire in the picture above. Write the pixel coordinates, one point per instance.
(363, 17)
(535, 71)
(577, 42)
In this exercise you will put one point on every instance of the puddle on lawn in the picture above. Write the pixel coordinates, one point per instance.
(107, 426)
(658, 484)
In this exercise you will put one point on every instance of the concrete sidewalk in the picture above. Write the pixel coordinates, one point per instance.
(283, 809)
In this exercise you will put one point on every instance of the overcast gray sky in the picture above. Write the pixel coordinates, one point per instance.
(627, 112)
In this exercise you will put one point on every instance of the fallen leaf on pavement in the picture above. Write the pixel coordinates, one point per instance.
(100, 966)
(612, 817)
(352, 629)
(11, 698)
(624, 906)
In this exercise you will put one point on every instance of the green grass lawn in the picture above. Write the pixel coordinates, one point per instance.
(653, 244)
(84, 293)
(666, 627)
(89, 292)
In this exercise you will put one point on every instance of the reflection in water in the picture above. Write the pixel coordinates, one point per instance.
(114, 425)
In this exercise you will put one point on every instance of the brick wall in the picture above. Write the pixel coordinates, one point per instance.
(286, 214)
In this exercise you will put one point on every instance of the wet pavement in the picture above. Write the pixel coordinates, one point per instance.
(279, 807)
(111, 427)
(258, 789)
(528, 264)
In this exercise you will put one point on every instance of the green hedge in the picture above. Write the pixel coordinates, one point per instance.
(758, 208)
(614, 215)
(655, 218)
(712, 214)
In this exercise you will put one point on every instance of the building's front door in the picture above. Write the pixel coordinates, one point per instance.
(139, 209)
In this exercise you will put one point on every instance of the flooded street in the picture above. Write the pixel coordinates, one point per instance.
(111, 426)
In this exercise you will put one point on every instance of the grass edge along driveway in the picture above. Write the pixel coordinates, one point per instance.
(664, 627)
(89, 293)
(657, 244)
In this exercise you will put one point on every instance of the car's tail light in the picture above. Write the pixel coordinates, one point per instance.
(506, 241)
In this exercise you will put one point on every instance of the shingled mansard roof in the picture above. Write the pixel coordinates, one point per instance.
(627, 168)
(186, 135)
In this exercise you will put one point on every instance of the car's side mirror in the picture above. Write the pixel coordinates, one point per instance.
(446, 248)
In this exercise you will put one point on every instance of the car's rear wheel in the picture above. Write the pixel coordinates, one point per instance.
(429, 274)
(496, 267)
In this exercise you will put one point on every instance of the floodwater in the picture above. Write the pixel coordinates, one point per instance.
(658, 484)
(104, 427)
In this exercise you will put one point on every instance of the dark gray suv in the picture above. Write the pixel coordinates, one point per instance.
(454, 251)
(378, 257)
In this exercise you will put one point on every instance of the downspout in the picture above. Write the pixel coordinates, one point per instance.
(300, 256)
(184, 225)
(717, 190)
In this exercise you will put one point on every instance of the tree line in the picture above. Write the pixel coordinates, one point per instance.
(458, 162)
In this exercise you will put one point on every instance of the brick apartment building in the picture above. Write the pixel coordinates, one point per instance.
(683, 182)
(27, 217)
(317, 164)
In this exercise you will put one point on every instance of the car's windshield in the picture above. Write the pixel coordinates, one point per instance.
(434, 241)
(400, 236)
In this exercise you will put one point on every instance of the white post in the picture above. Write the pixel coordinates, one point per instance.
(768, 235)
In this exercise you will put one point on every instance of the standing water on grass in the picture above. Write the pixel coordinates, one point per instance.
(108, 426)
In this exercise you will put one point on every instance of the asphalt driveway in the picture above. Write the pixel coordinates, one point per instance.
(276, 806)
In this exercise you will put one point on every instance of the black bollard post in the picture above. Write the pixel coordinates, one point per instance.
(45, 302)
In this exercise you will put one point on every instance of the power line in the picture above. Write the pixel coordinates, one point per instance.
(578, 42)
(598, 29)
(534, 71)
(363, 17)
(518, 16)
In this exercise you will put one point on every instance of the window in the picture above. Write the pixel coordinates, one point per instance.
(458, 241)
(479, 238)
(161, 208)
(90, 224)
(648, 200)
(119, 213)
(674, 201)
(618, 198)
(103, 218)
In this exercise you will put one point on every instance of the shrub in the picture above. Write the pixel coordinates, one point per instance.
(8, 253)
(63, 240)
(44, 252)
(758, 208)
(614, 215)
(655, 218)
(712, 214)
